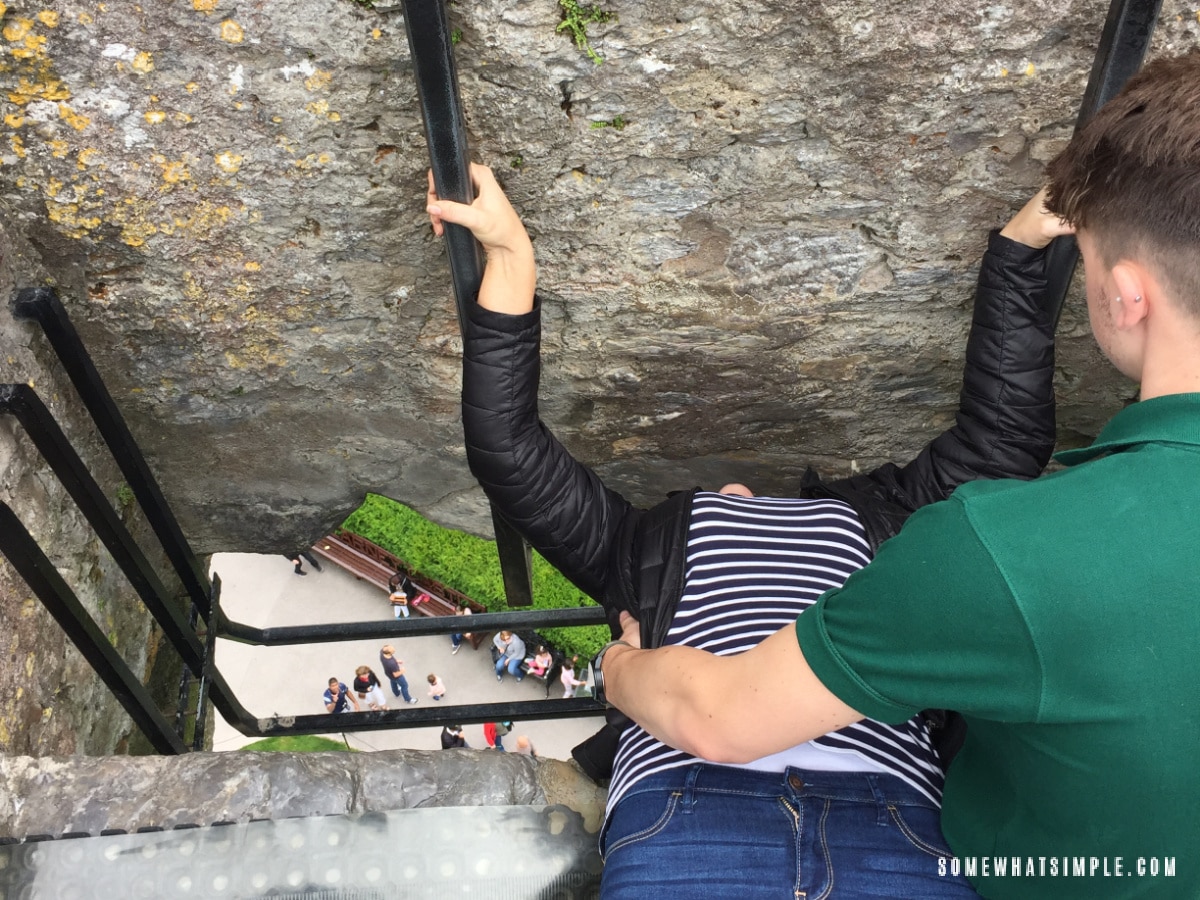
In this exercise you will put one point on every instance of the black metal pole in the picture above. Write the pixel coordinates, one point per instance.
(1123, 46)
(43, 579)
(43, 306)
(431, 48)
(23, 402)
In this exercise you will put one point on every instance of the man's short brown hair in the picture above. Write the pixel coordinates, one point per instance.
(1131, 176)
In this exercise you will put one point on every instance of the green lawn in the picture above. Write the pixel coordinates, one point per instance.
(298, 743)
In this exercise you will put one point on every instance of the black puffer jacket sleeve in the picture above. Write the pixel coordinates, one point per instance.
(1004, 427)
(560, 505)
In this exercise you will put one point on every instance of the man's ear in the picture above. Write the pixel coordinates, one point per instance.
(1138, 291)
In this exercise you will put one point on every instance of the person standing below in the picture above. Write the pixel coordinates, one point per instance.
(456, 638)
(368, 688)
(399, 600)
(437, 690)
(452, 737)
(393, 668)
(568, 679)
(494, 732)
(511, 653)
(525, 746)
(338, 698)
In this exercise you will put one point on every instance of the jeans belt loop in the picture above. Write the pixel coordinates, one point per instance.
(689, 789)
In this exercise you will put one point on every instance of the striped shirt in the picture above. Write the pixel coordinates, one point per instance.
(753, 565)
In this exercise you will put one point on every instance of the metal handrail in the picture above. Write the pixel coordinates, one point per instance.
(27, 407)
(431, 48)
(1122, 48)
(56, 596)
(41, 305)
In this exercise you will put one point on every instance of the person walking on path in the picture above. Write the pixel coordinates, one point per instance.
(393, 668)
(368, 689)
(295, 559)
(437, 690)
(568, 679)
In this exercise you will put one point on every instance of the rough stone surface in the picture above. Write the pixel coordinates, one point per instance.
(770, 264)
(57, 796)
(50, 700)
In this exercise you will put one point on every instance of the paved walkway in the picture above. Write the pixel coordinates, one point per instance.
(263, 591)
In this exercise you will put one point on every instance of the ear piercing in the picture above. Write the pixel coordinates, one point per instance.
(1137, 299)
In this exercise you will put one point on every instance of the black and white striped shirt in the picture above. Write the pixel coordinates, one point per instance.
(753, 565)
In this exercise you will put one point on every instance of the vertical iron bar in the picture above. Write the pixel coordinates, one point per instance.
(43, 579)
(1123, 46)
(23, 402)
(431, 48)
(210, 644)
(43, 306)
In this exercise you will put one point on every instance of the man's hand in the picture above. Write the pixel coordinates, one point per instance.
(1033, 226)
(729, 709)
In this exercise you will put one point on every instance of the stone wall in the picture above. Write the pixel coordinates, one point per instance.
(50, 700)
(770, 263)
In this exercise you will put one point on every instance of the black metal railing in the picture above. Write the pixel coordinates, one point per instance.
(41, 305)
(431, 47)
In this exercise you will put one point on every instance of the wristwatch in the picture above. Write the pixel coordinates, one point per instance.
(598, 672)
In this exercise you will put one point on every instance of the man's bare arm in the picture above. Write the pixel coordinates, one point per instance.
(729, 709)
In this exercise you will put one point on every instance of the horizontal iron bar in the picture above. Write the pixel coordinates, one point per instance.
(412, 627)
(438, 714)
(43, 579)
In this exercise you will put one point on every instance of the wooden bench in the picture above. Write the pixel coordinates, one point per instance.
(371, 563)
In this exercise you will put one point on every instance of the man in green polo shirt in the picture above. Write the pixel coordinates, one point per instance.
(1060, 616)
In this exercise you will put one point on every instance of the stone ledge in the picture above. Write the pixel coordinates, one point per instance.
(87, 795)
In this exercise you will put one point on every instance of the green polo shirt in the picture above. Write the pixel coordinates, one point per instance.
(1062, 617)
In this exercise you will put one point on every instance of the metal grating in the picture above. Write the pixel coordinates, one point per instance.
(499, 852)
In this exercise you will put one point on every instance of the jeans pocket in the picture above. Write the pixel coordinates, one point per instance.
(922, 828)
(639, 833)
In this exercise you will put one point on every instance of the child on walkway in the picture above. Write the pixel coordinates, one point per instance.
(568, 679)
(437, 690)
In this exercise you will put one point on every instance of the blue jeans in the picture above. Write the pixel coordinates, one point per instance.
(400, 687)
(512, 665)
(714, 831)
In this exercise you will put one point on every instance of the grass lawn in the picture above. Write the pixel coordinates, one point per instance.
(298, 743)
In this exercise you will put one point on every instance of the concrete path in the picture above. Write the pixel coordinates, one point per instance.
(263, 591)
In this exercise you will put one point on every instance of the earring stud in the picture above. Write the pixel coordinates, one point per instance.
(1137, 299)
(1117, 299)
